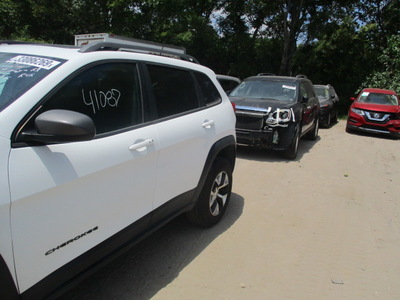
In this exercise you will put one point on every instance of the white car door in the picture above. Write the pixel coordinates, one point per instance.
(186, 132)
(69, 197)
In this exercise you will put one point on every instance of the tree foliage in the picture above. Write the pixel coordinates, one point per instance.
(387, 76)
(347, 43)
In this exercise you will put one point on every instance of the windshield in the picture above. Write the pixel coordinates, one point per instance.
(322, 92)
(18, 73)
(378, 98)
(262, 89)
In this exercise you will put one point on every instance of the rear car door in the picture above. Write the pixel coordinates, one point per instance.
(69, 197)
(309, 102)
(187, 130)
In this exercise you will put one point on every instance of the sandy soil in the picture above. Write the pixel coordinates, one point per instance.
(325, 226)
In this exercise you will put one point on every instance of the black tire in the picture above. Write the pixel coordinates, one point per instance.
(313, 134)
(335, 117)
(328, 121)
(293, 149)
(214, 197)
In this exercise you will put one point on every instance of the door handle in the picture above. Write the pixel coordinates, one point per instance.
(143, 144)
(208, 123)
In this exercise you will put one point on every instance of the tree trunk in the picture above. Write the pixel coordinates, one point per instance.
(291, 12)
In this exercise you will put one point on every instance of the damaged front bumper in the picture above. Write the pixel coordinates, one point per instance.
(264, 128)
(277, 138)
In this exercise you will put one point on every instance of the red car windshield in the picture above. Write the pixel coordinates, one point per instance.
(378, 98)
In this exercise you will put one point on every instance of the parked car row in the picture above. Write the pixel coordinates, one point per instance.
(103, 144)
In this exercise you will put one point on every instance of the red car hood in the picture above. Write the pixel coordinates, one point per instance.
(376, 107)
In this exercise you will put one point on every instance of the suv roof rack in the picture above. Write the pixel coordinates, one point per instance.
(110, 42)
(115, 46)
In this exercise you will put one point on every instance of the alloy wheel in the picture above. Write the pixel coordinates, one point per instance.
(219, 193)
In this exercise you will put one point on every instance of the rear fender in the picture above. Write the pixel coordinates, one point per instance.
(224, 148)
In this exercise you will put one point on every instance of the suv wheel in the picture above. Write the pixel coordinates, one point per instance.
(313, 134)
(291, 151)
(328, 121)
(214, 196)
(335, 117)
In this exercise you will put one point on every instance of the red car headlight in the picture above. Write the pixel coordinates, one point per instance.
(358, 111)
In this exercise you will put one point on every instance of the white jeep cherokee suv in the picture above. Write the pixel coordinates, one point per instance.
(100, 146)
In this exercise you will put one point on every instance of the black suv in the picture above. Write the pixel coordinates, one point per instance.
(329, 102)
(274, 112)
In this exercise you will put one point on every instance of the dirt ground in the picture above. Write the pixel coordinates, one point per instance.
(325, 226)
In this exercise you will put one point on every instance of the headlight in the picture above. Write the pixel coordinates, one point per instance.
(357, 111)
(279, 116)
(284, 115)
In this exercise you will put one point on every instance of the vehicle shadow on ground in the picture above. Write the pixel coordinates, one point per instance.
(263, 155)
(155, 262)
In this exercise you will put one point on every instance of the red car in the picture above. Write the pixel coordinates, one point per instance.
(375, 111)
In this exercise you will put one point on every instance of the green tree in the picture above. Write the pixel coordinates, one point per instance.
(388, 75)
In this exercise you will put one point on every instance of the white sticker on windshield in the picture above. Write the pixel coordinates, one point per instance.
(289, 87)
(365, 94)
(34, 61)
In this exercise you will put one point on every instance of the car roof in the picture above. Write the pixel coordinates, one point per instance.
(379, 91)
(227, 77)
(101, 51)
(56, 51)
(69, 51)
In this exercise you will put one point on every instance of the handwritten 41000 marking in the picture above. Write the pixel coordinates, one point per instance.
(99, 99)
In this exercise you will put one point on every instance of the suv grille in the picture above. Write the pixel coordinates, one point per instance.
(377, 117)
(249, 120)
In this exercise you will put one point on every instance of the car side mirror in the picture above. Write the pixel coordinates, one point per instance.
(352, 98)
(59, 126)
(304, 99)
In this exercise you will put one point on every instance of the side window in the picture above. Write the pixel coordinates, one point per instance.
(310, 90)
(209, 92)
(303, 91)
(174, 90)
(108, 93)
